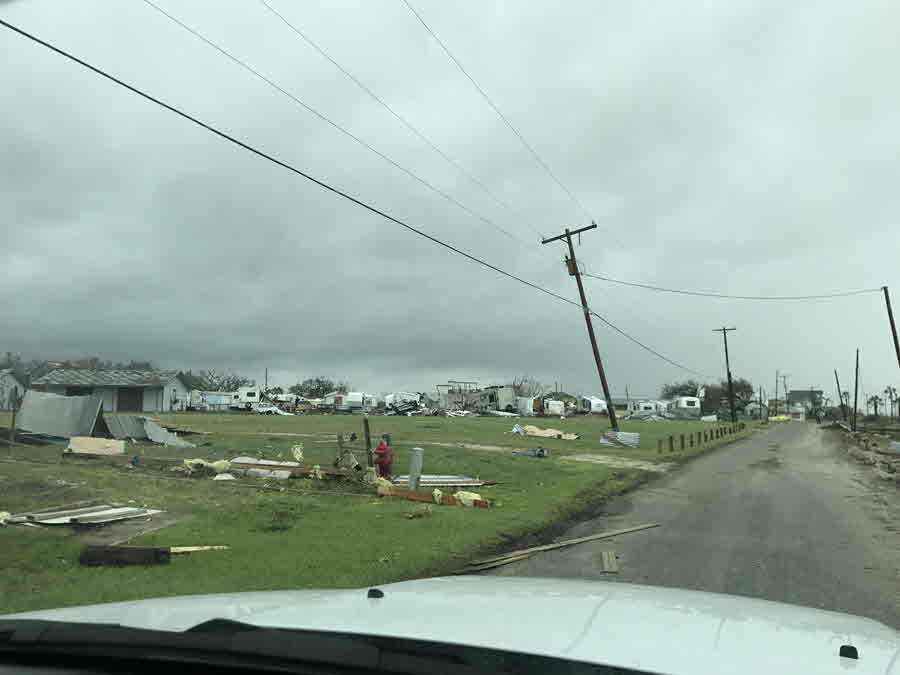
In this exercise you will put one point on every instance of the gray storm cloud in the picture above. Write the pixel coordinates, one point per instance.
(740, 147)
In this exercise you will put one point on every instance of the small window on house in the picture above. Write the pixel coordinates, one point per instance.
(691, 404)
(251, 394)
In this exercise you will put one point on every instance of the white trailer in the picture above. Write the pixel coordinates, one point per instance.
(594, 405)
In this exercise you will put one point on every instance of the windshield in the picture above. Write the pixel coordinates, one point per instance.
(336, 296)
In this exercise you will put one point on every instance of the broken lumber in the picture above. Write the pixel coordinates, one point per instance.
(561, 544)
(487, 566)
(97, 555)
(608, 561)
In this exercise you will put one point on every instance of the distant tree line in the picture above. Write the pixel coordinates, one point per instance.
(715, 396)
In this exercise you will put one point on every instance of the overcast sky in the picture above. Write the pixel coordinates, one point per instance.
(732, 146)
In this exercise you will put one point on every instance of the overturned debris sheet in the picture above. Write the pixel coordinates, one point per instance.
(62, 416)
(126, 426)
(534, 452)
(621, 439)
(88, 515)
(436, 480)
(159, 435)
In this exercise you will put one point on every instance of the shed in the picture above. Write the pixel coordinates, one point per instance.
(10, 388)
(120, 390)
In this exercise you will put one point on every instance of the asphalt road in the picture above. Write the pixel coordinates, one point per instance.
(782, 516)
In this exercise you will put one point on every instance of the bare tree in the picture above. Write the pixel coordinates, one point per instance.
(528, 386)
(224, 381)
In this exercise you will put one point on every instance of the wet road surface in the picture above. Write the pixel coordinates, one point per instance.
(783, 515)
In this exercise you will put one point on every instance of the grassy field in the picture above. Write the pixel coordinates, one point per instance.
(315, 534)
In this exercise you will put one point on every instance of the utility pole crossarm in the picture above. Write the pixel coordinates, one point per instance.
(569, 233)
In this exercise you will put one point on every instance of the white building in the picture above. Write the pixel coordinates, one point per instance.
(10, 387)
(121, 390)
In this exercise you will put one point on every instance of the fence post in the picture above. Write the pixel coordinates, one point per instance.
(671, 444)
(691, 439)
(659, 445)
(368, 438)
(682, 442)
(415, 467)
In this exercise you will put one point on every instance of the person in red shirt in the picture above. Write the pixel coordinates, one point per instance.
(384, 458)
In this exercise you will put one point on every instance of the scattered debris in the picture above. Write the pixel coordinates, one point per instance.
(88, 515)
(97, 555)
(621, 462)
(159, 435)
(609, 562)
(316, 473)
(297, 452)
(539, 452)
(95, 446)
(513, 556)
(423, 511)
(501, 413)
(224, 476)
(4, 516)
(531, 430)
(467, 498)
(459, 413)
(390, 490)
(126, 426)
(715, 418)
(621, 439)
(274, 474)
(435, 480)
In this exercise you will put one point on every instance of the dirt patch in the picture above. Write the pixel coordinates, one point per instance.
(621, 462)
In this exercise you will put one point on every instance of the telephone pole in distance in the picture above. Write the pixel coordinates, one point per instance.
(725, 332)
(572, 265)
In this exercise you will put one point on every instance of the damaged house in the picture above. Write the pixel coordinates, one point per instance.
(120, 390)
(10, 388)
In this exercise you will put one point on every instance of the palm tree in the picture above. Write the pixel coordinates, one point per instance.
(874, 401)
(891, 394)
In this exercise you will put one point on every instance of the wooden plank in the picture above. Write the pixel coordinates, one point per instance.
(295, 470)
(96, 446)
(195, 549)
(568, 542)
(609, 562)
(496, 563)
(123, 555)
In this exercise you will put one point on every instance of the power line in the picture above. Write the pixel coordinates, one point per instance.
(503, 117)
(320, 183)
(406, 123)
(841, 294)
(332, 123)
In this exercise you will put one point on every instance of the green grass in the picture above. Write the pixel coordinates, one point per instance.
(308, 537)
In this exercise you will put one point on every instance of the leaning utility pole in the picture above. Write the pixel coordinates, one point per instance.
(887, 302)
(840, 395)
(856, 390)
(724, 332)
(573, 272)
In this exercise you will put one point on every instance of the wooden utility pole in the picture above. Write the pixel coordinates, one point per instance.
(887, 302)
(725, 332)
(367, 435)
(856, 390)
(840, 395)
(574, 272)
(776, 393)
(784, 377)
(16, 400)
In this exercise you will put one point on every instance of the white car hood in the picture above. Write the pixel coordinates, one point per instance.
(642, 627)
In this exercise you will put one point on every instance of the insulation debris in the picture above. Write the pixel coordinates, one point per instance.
(86, 445)
(531, 430)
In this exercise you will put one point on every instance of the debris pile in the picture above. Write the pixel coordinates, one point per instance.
(531, 430)
(876, 450)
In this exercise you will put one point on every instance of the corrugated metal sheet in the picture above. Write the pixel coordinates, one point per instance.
(56, 415)
(432, 480)
(91, 515)
(159, 435)
(126, 426)
(79, 377)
